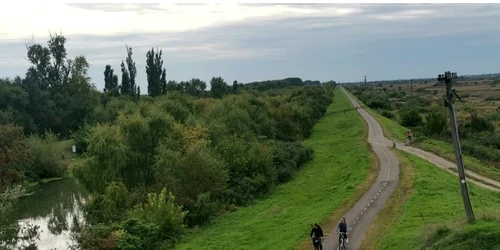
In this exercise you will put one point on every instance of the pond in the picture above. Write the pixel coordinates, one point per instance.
(55, 208)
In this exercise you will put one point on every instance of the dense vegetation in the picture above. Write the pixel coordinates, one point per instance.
(427, 117)
(155, 164)
(332, 181)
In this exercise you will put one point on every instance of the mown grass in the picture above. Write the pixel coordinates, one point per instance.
(282, 220)
(391, 213)
(393, 130)
(434, 201)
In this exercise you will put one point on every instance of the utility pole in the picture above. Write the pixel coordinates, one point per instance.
(365, 80)
(447, 78)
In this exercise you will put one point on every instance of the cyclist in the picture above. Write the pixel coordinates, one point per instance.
(342, 228)
(408, 137)
(316, 236)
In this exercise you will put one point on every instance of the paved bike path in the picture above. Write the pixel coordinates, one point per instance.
(360, 216)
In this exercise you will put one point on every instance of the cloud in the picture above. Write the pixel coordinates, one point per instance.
(273, 38)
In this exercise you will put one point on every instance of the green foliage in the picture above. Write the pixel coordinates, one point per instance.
(218, 87)
(190, 172)
(436, 124)
(44, 162)
(213, 150)
(161, 210)
(156, 75)
(81, 138)
(340, 165)
(480, 235)
(288, 157)
(410, 118)
(110, 80)
(387, 113)
(14, 152)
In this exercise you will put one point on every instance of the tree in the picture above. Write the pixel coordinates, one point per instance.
(125, 87)
(110, 79)
(13, 152)
(235, 86)
(194, 87)
(156, 76)
(218, 87)
(132, 70)
(57, 87)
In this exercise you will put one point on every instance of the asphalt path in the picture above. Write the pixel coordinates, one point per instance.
(360, 216)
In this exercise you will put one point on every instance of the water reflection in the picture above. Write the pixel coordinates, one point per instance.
(55, 211)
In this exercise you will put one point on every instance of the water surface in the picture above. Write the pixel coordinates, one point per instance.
(56, 208)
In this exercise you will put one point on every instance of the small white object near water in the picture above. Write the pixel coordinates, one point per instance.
(73, 149)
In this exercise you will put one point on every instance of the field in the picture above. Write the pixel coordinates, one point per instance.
(480, 96)
(480, 148)
(429, 198)
(341, 163)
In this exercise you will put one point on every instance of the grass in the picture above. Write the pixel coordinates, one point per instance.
(282, 220)
(393, 130)
(393, 210)
(480, 235)
(435, 201)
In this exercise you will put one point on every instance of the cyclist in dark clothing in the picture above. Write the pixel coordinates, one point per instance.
(342, 227)
(316, 236)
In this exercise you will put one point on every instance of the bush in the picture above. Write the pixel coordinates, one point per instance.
(436, 124)
(45, 156)
(410, 118)
(161, 211)
(492, 98)
(387, 113)
(479, 151)
(202, 211)
(478, 124)
(288, 157)
(81, 138)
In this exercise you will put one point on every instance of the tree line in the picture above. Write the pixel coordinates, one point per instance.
(159, 164)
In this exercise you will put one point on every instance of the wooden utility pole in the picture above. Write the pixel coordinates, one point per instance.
(447, 78)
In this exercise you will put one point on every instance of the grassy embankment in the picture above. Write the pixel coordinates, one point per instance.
(393, 130)
(328, 183)
(426, 210)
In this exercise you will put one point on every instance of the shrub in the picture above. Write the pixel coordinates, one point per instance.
(45, 156)
(202, 211)
(161, 210)
(387, 114)
(436, 124)
(492, 98)
(81, 138)
(288, 157)
(410, 118)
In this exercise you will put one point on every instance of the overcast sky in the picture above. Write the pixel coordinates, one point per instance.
(250, 42)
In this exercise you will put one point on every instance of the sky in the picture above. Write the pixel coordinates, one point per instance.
(254, 42)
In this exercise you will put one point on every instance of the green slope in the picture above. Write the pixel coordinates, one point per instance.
(282, 220)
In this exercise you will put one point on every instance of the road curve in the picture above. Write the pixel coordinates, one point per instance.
(449, 166)
(360, 216)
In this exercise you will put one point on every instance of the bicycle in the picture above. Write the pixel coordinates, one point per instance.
(318, 244)
(342, 243)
